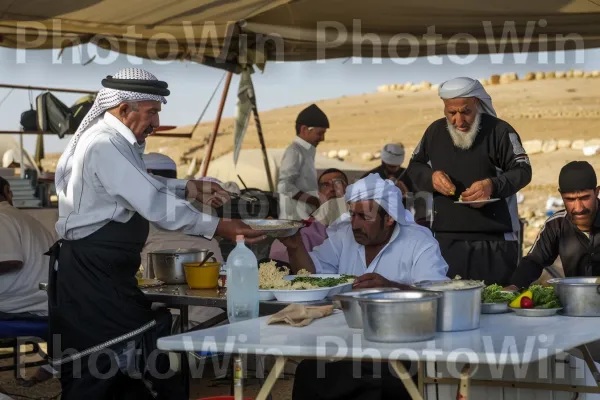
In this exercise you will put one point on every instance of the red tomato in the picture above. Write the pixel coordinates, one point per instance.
(526, 302)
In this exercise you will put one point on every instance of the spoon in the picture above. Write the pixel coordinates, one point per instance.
(208, 255)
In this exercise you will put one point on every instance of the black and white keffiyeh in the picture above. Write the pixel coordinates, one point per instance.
(105, 100)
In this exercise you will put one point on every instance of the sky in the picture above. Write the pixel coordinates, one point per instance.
(280, 85)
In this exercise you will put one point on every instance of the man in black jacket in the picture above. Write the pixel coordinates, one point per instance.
(572, 233)
(472, 156)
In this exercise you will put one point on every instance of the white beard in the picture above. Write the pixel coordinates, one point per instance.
(464, 140)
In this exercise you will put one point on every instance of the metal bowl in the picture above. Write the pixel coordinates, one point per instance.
(275, 227)
(399, 316)
(494, 308)
(535, 312)
(348, 302)
(167, 265)
(579, 296)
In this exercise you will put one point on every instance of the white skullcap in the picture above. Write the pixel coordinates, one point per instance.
(392, 154)
(467, 87)
(159, 161)
(9, 157)
(385, 193)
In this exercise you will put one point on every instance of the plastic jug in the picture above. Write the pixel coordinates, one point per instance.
(242, 283)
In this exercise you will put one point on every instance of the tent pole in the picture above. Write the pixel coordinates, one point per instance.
(22, 162)
(213, 136)
(262, 144)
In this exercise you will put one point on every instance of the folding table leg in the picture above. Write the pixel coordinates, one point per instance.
(406, 379)
(590, 363)
(272, 378)
(463, 387)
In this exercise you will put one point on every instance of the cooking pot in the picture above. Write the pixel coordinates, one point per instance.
(168, 264)
(460, 306)
(579, 296)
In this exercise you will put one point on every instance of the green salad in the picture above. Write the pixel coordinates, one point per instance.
(496, 294)
(324, 282)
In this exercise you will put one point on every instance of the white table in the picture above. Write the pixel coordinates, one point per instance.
(503, 339)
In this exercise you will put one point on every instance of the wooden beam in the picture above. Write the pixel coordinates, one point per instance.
(8, 86)
(516, 385)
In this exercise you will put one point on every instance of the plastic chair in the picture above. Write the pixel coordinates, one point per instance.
(12, 333)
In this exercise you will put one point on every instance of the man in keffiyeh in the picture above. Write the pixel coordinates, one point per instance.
(99, 318)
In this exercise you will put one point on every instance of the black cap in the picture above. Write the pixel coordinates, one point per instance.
(313, 116)
(577, 176)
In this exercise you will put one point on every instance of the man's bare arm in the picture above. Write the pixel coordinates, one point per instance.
(299, 257)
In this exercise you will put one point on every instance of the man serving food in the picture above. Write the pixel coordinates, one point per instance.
(377, 240)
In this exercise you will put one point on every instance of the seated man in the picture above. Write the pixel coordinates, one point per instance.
(392, 157)
(23, 265)
(332, 185)
(379, 242)
(573, 233)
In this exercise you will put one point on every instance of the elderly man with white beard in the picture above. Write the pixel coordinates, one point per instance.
(473, 156)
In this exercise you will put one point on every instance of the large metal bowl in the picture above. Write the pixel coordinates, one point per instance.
(167, 265)
(579, 296)
(460, 308)
(348, 302)
(399, 316)
(275, 227)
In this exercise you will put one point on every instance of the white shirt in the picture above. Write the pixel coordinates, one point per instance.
(412, 255)
(297, 174)
(23, 238)
(109, 182)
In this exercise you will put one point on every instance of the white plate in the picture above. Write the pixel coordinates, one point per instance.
(311, 294)
(265, 295)
(476, 202)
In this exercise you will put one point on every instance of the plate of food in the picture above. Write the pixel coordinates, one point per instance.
(277, 283)
(275, 227)
(536, 301)
(495, 300)
(460, 201)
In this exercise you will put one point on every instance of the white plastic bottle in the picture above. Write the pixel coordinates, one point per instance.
(242, 283)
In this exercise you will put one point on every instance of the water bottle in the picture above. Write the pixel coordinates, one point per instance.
(242, 283)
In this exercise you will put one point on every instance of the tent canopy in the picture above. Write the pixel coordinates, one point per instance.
(213, 32)
(250, 168)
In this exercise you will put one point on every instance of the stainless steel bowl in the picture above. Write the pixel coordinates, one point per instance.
(494, 308)
(579, 296)
(460, 309)
(399, 316)
(275, 227)
(167, 265)
(348, 302)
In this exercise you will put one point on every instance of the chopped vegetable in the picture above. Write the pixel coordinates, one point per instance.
(324, 282)
(495, 294)
(516, 303)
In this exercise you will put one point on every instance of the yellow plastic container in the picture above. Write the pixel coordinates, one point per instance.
(202, 277)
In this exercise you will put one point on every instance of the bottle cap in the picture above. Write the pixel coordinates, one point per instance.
(239, 238)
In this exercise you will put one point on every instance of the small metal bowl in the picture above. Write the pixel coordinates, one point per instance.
(348, 302)
(399, 316)
(275, 227)
(536, 312)
(494, 308)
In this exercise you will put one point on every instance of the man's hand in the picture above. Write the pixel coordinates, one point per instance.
(229, 229)
(209, 193)
(371, 280)
(293, 242)
(442, 183)
(480, 190)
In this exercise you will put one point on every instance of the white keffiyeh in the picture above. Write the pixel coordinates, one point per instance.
(385, 193)
(105, 100)
(467, 87)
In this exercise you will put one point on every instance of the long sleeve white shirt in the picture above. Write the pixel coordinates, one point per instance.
(109, 182)
(412, 255)
(297, 173)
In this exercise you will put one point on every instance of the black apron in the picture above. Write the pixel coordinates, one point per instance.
(95, 307)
